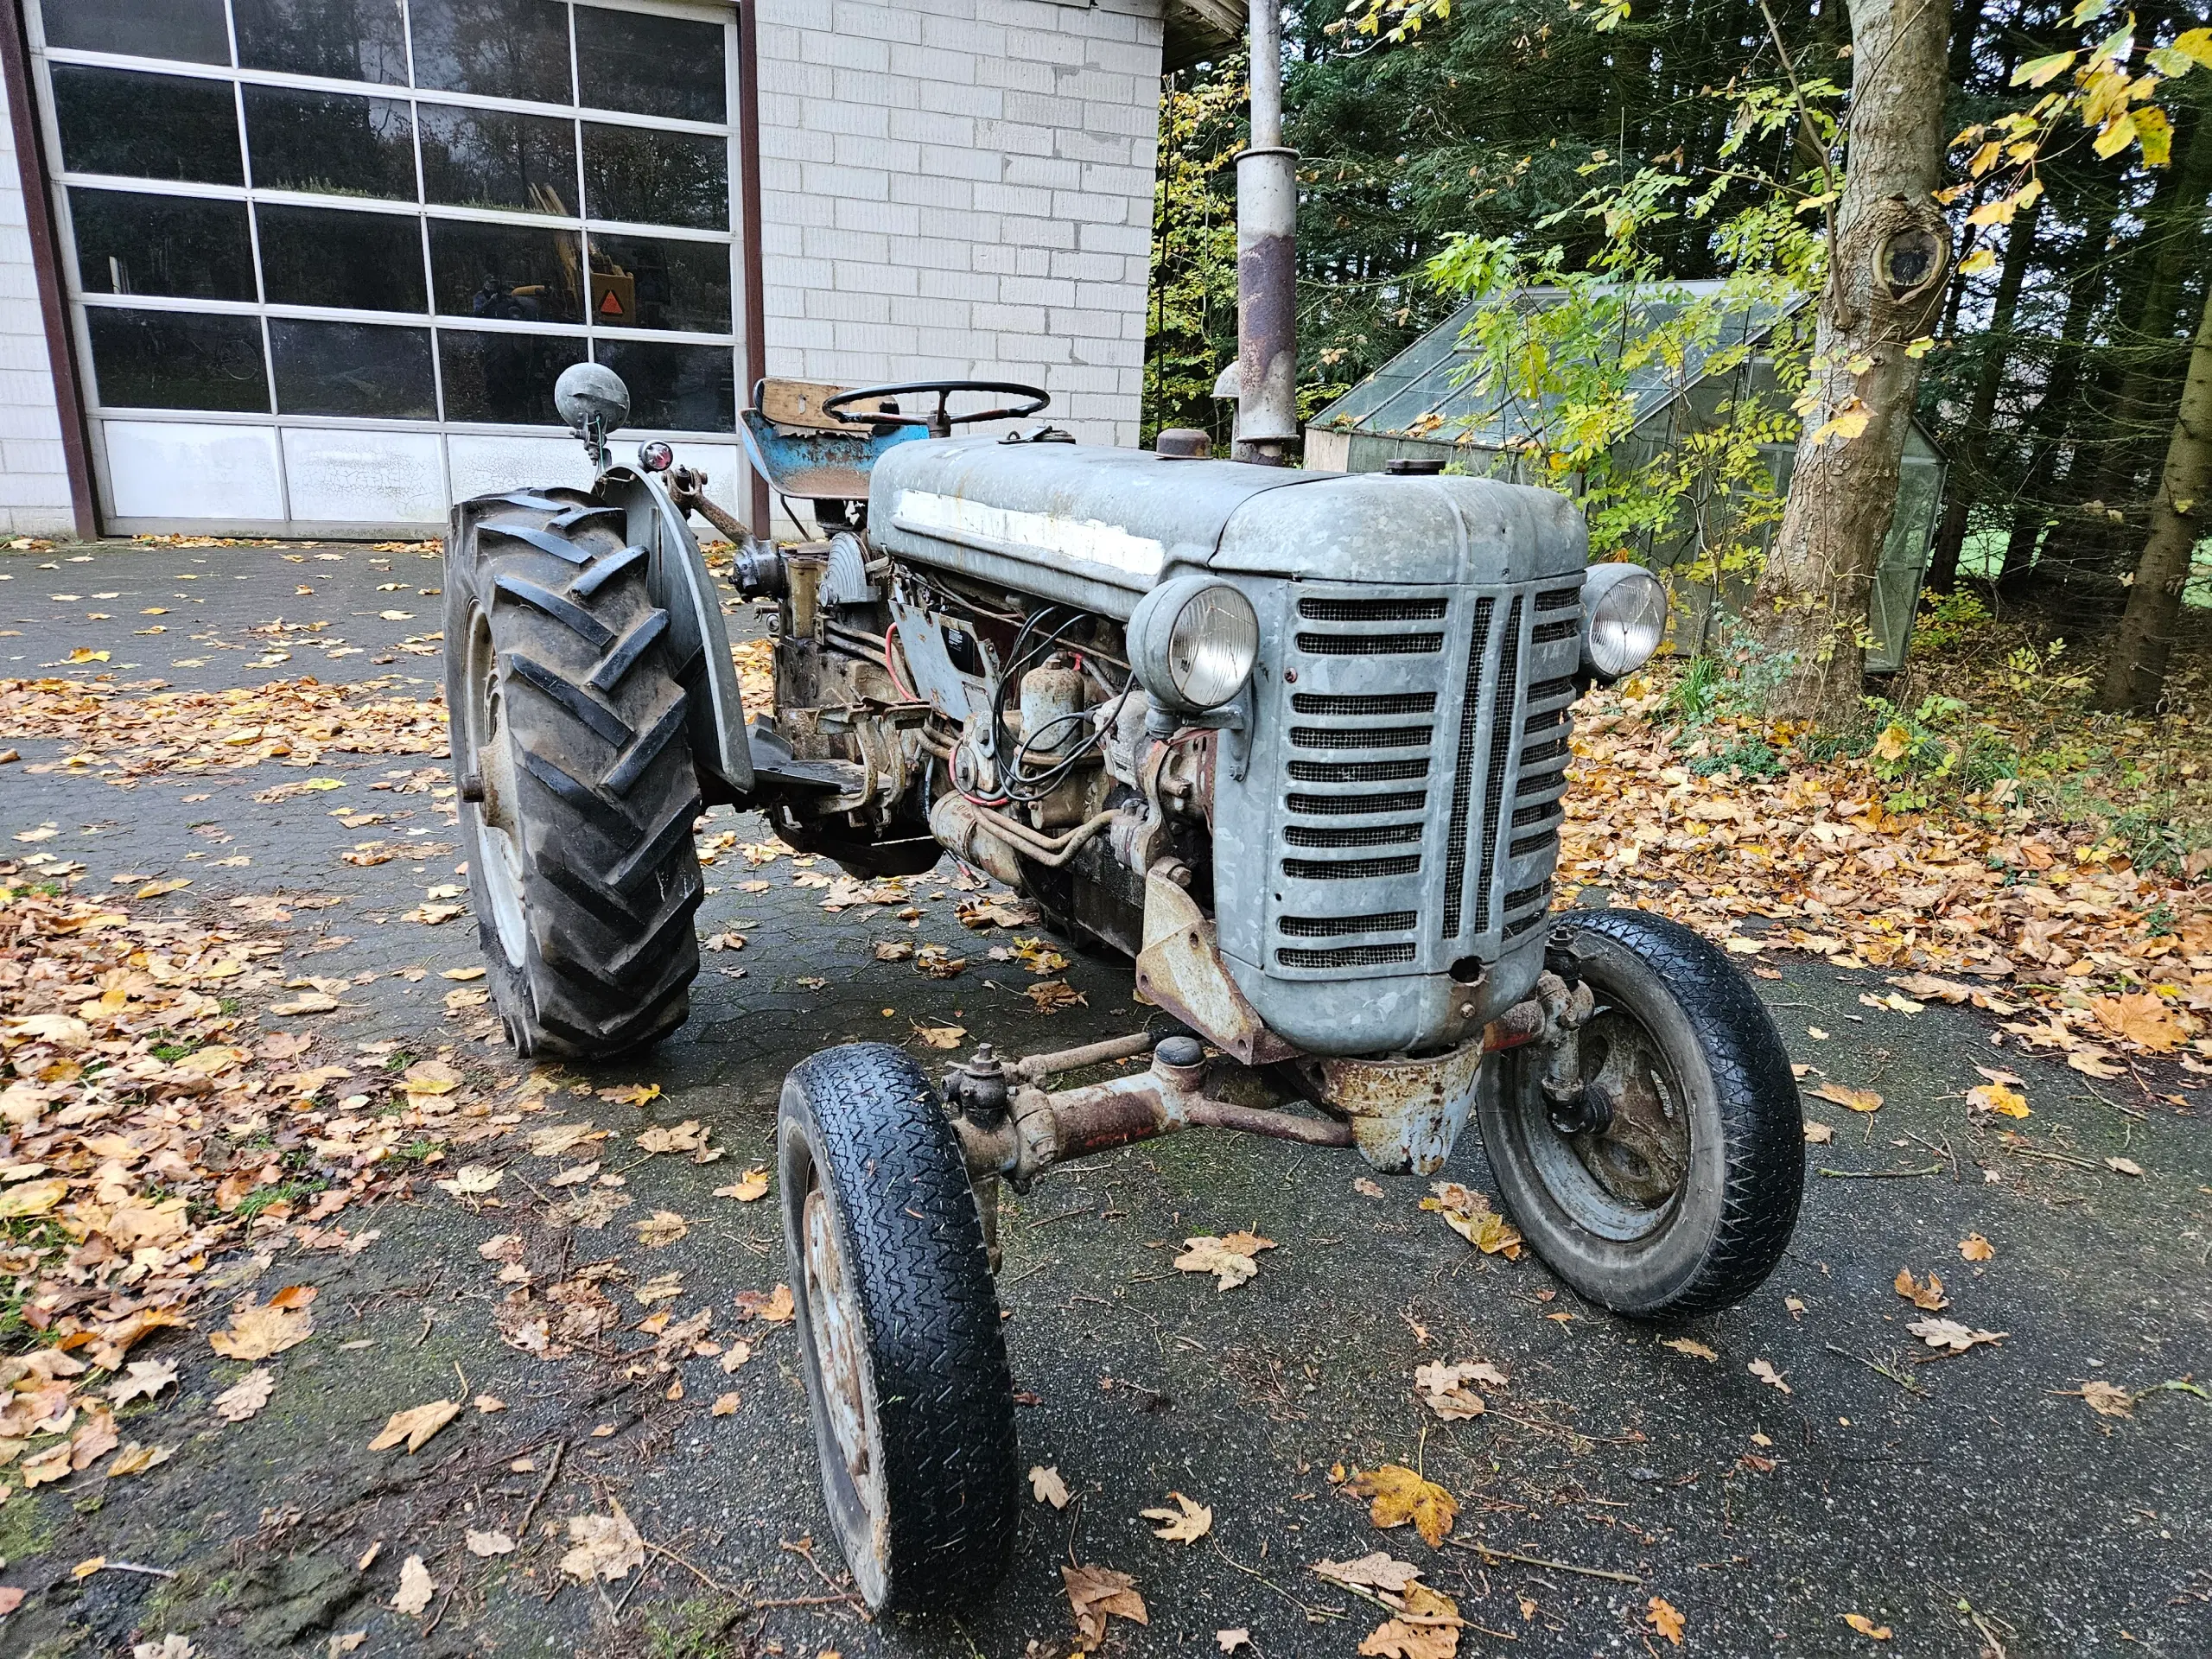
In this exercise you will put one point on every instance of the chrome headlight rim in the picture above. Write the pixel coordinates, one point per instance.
(1625, 614)
(1193, 642)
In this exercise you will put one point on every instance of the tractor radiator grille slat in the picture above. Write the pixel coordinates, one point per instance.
(1350, 869)
(1520, 898)
(1558, 599)
(1345, 955)
(1537, 753)
(1372, 645)
(1544, 690)
(1463, 775)
(1339, 806)
(1545, 632)
(1379, 834)
(1336, 927)
(1356, 771)
(1502, 737)
(1406, 702)
(1372, 610)
(1514, 930)
(1358, 737)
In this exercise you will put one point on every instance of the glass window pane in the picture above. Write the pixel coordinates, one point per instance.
(191, 31)
(346, 39)
(333, 143)
(174, 359)
(678, 388)
(655, 65)
(510, 271)
(363, 262)
(642, 281)
(500, 49)
(147, 126)
(656, 178)
(503, 378)
(482, 158)
(129, 243)
(353, 368)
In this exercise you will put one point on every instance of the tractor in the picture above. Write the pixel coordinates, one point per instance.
(1293, 742)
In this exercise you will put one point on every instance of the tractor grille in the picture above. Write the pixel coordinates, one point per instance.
(1418, 771)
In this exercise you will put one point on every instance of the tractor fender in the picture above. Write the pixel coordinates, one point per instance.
(679, 582)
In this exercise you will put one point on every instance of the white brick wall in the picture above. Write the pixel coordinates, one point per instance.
(34, 481)
(961, 187)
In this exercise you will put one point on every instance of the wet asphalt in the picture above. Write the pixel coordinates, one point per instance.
(1972, 1503)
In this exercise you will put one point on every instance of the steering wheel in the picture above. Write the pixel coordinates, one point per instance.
(938, 421)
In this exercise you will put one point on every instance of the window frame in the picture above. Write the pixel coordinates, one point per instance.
(82, 302)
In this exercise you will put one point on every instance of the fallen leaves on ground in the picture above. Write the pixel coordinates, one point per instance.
(1664, 1619)
(1858, 1100)
(245, 1396)
(1424, 1623)
(768, 1307)
(261, 1329)
(2107, 1399)
(1981, 902)
(416, 1587)
(1691, 1346)
(1046, 1486)
(1974, 1248)
(946, 1037)
(489, 1543)
(2000, 1098)
(1186, 1523)
(1052, 995)
(416, 1425)
(1764, 1369)
(1866, 1627)
(1468, 1213)
(603, 1547)
(1398, 1495)
(748, 1187)
(659, 1229)
(124, 738)
(1097, 1592)
(1949, 1334)
(1229, 1260)
(144, 1379)
(1444, 1388)
(1927, 1296)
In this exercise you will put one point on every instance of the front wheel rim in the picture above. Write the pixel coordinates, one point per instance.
(1624, 1183)
(839, 1352)
(497, 831)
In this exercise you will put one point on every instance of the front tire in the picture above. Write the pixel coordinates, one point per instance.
(575, 775)
(1684, 1202)
(898, 1335)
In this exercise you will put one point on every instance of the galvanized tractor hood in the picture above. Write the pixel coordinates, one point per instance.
(1094, 526)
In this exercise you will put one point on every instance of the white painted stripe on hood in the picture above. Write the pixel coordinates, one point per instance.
(1088, 540)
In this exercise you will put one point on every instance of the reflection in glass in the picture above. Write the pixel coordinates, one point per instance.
(513, 272)
(346, 39)
(503, 378)
(656, 178)
(643, 281)
(129, 243)
(190, 31)
(146, 126)
(363, 262)
(174, 359)
(335, 144)
(653, 65)
(483, 158)
(499, 48)
(353, 368)
(679, 388)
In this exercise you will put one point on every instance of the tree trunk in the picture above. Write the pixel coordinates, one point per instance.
(1884, 287)
(2136, 673)
(2019, 241)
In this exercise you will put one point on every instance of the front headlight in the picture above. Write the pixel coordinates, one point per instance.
(1192, 641)
(1624, 619)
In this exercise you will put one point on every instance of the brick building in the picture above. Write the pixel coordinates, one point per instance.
(310, 267)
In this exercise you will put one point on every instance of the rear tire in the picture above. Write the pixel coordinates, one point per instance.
(898, 1331)
(568, 726)
(1686, 1202)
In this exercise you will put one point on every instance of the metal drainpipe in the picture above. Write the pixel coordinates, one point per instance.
(1267, 268)
(755, 301)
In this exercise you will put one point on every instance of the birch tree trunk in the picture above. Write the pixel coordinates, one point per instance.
(1884, 285)
(2136, 672)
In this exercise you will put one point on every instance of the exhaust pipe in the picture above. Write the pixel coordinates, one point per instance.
(1267, 261)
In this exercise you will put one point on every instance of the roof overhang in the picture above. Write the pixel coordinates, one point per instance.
(1198, 31)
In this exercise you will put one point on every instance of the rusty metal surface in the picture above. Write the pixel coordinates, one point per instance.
(1405, 1114)
(1038, 1066)
(1280, 1125)
(1180, 971)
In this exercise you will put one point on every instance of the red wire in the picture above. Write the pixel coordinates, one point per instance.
(891, 668)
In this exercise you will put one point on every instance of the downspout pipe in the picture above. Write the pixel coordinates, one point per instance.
(755, 297)
(1267, 263)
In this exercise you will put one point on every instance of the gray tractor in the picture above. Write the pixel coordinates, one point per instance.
(1295, 742)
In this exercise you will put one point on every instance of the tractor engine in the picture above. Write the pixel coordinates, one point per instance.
(1294, 740)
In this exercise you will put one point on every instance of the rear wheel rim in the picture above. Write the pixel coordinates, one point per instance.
(839, 1353)
(498, 832)
(1624, 1183)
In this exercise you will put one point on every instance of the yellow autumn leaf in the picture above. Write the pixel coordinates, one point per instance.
(2001, 1098)
(1397, 1495)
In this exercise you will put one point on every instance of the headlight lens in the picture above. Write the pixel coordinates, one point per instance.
(1192, 641)
(1625, 619)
